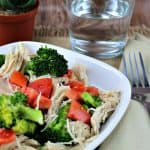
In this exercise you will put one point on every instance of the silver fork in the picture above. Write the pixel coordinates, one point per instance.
(140, 83)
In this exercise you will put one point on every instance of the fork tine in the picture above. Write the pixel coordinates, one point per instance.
(137, 72)
(131, 72)
(125, 66)
(146, 83)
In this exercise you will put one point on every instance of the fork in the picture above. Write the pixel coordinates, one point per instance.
(140, 83)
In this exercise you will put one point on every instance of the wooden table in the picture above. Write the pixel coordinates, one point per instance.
(141, 13)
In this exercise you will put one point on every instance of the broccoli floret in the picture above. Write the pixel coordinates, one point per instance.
(30, 114)
(19, 101)
(4, 101)
(46, 53)
(37, 66)
(16, 115)
(24, 127)
(6, 112)
(6, 117)
(90, 100)
(2, 59)
(48, 61)
(19, 98)
(56, 130)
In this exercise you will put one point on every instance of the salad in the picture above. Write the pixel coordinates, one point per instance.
(46, 105)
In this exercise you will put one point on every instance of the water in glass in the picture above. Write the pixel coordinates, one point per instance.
(99, 27)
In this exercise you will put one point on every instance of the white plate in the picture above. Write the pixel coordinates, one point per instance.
(101, 75)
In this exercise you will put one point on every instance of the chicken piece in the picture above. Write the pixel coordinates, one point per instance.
(100, 115)
(9, 146)
(58, 82)
(79, 131)
(54, 146)
(22, 143)
(77, 147)
(80, 72)
(73, 77)
(14, 60)
(5, 87)
(56, 99)
(110, 96)
(31, 142)
(111, 100)
(25, 147)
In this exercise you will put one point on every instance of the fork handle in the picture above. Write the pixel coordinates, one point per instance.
(147, 106)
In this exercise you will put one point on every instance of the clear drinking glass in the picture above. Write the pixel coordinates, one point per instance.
(99, 27)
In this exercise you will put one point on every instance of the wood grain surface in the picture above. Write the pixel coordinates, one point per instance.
(53, 13)
(141, 13)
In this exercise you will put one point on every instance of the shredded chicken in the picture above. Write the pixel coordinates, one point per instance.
(56, 100)
(110, 96)
(5, 87)
(58, 82)
(79, 130)
(38, 101)
(100, 115)
(77, 147)
(54, 146)
(73, 77)
(14, 60)
(80, 72)
(22, 143)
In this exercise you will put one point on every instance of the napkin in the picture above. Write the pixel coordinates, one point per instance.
(133, 131)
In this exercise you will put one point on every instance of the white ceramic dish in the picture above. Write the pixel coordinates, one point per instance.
(101, 75)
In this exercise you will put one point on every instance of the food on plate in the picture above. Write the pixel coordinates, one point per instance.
(47, 61)
(45, 104)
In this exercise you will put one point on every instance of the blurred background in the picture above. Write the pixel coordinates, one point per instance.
(53, 17)
(141, 14)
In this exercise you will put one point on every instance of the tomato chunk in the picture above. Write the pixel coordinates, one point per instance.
(18, 79)
(73, 94)
(6, 136)
(78, 112)
(43, 86)
(32, 94)
(92, 90)
(77, 85)
(44, 103)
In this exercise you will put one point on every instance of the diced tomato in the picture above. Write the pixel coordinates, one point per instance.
(44, 103)
(69, 73)
(18, 79)
(92, 90)
(32, 94)
(73, 94)
(77, 85)
(43, 86)
(6, 136)
(78, 112)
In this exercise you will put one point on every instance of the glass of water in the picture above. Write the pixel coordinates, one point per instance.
(99, 28)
